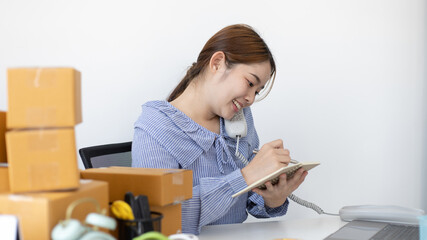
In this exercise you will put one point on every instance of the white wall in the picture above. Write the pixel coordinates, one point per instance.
(350, 89)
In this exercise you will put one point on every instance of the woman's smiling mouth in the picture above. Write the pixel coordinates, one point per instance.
(237, 104)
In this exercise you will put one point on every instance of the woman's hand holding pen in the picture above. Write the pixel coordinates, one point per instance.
(271, 157)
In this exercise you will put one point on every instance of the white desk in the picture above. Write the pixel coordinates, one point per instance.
(314, 228)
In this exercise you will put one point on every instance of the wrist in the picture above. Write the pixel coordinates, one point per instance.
(273, 204)
(246, 173)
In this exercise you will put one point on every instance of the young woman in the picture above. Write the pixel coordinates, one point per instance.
(187, 131)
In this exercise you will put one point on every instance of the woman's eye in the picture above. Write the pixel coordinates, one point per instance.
(250, 83)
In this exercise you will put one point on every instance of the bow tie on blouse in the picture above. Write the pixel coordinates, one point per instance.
(223, 159)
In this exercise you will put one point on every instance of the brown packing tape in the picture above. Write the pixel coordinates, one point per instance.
(42, 141)
(78, 96)
(44, 174)
(37, 77)
(178, 199)
(178, 179)
(41, 115)
(42, 78)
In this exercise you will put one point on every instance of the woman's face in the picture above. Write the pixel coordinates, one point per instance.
(236, 87)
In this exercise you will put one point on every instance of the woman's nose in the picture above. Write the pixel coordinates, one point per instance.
(250, 97)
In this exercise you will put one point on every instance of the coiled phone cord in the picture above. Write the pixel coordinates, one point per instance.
(239, 155)
(308, 204)
(294, 198)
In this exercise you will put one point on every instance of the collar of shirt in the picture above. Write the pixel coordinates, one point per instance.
(202, 137)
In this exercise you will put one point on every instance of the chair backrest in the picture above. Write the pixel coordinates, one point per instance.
(117, 154)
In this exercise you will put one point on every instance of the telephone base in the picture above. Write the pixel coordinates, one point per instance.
(381, 213)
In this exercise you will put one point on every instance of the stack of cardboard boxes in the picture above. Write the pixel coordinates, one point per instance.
(42, 177)
(42, 173)
(44, 107)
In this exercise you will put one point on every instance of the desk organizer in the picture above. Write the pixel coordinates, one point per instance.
(129, 229)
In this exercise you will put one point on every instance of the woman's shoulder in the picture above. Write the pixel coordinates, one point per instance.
(173, 130)
(156, 105)
(161, 115)
(153, 112)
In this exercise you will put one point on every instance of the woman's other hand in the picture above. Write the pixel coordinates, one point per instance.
(275, 195)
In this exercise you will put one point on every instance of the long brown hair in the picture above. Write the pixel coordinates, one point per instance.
(240, 44)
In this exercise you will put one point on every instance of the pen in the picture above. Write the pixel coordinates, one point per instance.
(255, 151)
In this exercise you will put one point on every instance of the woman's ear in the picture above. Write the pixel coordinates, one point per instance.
(217, 61)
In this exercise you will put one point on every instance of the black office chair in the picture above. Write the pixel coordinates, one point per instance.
(117, 154)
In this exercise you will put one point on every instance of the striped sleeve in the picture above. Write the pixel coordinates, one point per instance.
(257, 208)
(211, 201)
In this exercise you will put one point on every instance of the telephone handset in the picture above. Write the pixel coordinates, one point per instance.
(237, 128)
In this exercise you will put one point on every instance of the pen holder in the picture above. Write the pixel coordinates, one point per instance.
(128, 229)
(423, 227)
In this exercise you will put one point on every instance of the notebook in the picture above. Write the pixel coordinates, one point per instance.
(274, 177)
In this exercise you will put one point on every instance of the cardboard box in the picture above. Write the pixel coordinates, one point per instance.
(171, 222)
(38, 213)
(161, 186)
(2, 137)
(4, 179)
(44, 97)
(42, 160)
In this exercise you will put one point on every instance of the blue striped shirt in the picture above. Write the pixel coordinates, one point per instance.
(165, 137)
